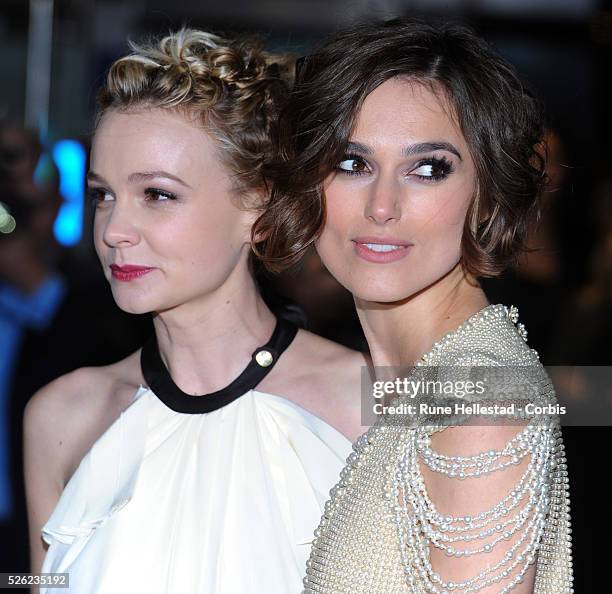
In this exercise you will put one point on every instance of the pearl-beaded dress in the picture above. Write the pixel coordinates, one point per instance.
(379, 523)
(216, 503)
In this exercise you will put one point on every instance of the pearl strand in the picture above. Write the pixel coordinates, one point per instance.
(517, 448)
(416, 529)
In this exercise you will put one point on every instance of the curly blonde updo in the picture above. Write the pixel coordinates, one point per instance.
(233, 88)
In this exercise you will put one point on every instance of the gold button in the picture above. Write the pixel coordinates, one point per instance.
(264, 358)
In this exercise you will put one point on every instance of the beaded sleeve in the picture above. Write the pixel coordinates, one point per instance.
(517, 525)
(504, 539)
(381, 532)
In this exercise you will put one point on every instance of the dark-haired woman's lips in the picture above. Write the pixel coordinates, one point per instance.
(129, 272)
(381, 250)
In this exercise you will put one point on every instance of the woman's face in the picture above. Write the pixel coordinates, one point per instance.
(163, 200)
(397, 202)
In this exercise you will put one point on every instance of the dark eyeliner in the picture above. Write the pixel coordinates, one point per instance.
(355, 157)
(436, 162)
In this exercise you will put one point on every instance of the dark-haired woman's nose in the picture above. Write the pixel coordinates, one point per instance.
(383, 202)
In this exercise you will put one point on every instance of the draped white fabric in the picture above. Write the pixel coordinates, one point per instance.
(218, 503)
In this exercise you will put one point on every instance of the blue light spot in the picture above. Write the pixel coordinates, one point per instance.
(70, 158)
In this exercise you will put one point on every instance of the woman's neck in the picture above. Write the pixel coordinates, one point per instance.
(207, 343)
(400, 333)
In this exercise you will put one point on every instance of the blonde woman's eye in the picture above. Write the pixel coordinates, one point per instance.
(156, 195)
(98, 195)
(352, 165)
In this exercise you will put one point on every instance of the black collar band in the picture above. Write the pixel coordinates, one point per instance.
(264, 358)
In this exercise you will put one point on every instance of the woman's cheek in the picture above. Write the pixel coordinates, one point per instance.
(337, 222)
(339, 206)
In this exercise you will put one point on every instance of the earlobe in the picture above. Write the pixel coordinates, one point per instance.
(252, 205)
(259, 236)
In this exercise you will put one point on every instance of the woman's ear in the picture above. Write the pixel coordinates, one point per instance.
(261, 234)
(252, 204)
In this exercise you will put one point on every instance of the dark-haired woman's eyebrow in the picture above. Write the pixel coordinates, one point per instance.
(357, 147)
(427, 147)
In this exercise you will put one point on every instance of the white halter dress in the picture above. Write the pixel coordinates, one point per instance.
(224, 502)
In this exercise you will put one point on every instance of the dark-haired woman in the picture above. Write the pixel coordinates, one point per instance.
(412, 156)
(201, 462)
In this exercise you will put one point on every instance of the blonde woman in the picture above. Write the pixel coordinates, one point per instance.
(200, 463)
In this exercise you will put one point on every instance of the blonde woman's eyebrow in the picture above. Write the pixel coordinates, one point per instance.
(92, 176)
(149, 175)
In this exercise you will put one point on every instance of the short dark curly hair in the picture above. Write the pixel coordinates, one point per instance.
(502, 122)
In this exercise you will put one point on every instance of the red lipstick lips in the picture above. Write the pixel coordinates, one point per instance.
(128, 272)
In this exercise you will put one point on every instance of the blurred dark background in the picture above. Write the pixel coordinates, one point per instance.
(57, 313)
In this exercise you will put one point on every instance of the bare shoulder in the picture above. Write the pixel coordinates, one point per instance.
(325, 352)
(321, 364)
(323, 377)
(65, 417)
(61, 422)
(474, 439)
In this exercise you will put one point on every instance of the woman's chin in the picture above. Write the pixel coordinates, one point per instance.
(401, 287)
(383, 295)
(133, 306)
(136, 310)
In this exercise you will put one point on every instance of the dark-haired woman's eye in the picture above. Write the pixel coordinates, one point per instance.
(352, 165)
(155, 195)
(433, 169)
